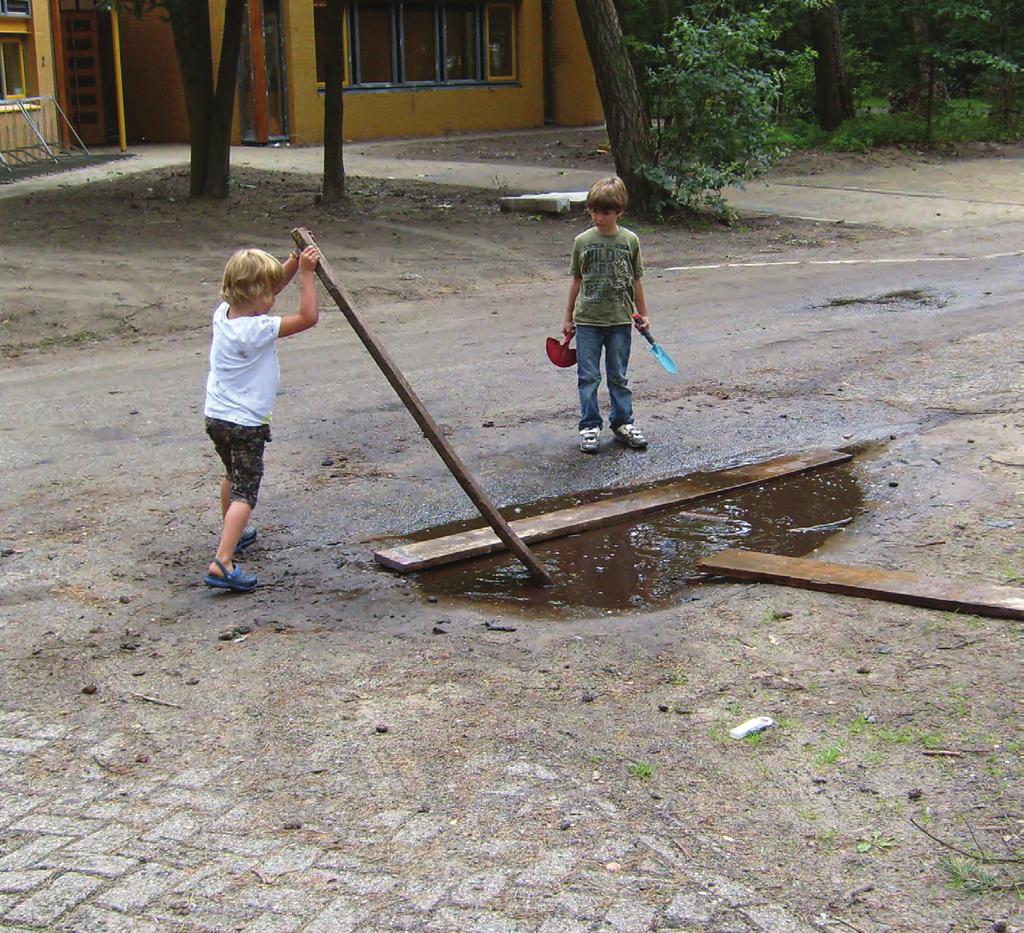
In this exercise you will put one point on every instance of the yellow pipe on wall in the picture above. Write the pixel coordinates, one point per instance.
(118, 83)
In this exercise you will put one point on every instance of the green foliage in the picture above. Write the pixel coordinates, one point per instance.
(713, 102)
(830, 754)
(732, 86)
(642, 770)
(972, 877)
(796, 85)
(959, 121)
(875, 842)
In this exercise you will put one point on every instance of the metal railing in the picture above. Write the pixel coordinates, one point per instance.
(35, 129)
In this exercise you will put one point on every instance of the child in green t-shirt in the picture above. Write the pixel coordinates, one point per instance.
(606, 290)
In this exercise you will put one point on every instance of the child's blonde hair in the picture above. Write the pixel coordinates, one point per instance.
(608, 194)
(249, 274)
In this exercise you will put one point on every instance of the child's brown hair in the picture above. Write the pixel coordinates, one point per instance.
(249, 274)
(608, 194)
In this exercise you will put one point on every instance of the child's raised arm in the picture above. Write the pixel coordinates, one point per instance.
(290, 267)
(309, 306)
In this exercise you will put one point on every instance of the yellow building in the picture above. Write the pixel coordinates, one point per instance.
(26, 55)
(411, 68)
(26, 72)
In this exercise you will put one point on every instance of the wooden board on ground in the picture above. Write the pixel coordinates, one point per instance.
(437, 551)
(983, 599)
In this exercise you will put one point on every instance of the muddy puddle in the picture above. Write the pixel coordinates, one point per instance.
(651, 563)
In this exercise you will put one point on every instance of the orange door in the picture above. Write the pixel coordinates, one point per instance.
(82, 69)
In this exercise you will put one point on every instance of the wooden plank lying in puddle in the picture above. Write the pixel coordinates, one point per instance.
(463, 545)
(983, 599)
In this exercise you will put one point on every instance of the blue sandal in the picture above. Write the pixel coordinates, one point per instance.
(237, 580)
(248, 537)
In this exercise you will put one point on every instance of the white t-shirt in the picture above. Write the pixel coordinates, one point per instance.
(244, 371)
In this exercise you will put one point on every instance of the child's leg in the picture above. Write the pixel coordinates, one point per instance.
(241, 451)
(225, 496)
(235, 519)
(588, 371)
(617, 344)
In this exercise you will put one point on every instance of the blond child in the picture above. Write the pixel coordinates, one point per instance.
(242, 386)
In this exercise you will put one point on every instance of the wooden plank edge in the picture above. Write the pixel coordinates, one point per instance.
(720, 564)
(479, 542)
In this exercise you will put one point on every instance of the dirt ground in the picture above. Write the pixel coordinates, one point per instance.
(379, 755)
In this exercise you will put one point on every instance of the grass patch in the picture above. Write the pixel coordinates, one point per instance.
(971, 877)
(642, 770)
(830, 754)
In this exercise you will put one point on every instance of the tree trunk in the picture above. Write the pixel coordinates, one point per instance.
(210, 107)
(629, 128)
(218, 172)
(334, 105)
(922, 39)
(833, 96)
(190, 26)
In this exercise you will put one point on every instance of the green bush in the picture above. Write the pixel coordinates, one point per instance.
(957, 121)
(797, 85)
(714, 107)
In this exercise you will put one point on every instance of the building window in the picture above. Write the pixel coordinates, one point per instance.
(12, 68)
(15, 8)
(461, 51)
(423, 42)
(419, 43)
(501, 57)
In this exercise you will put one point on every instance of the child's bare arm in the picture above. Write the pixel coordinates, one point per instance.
(641, 305)
(574, 289)
(290, 266)
(309, 306)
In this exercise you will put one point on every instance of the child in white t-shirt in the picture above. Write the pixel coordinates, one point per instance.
(242, 386)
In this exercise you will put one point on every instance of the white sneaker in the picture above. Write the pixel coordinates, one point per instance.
(588, 440)
(631, 436)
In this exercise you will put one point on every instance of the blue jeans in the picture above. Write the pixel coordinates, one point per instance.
(615, 341)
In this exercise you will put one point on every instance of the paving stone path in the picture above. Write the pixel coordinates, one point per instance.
(187, 851)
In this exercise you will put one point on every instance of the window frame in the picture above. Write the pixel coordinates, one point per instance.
(436, 10)
(395, 9)
(6, 11)
(513, 52)
(19, 44)
(477, 78)
(356, 53)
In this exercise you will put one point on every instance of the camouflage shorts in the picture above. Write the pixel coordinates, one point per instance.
(241, 449)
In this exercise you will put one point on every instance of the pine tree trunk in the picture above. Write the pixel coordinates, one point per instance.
(629, 128)
(833, 96)
(334, 105)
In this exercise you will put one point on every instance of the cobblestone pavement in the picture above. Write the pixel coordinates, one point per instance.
(95, 849)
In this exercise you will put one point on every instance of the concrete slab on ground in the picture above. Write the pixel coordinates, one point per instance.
(553, 202)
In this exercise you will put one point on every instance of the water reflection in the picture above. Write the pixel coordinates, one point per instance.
(653, 562)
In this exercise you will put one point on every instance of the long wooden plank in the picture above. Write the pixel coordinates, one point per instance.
(984, 599)
(463, 545)
(423, 418)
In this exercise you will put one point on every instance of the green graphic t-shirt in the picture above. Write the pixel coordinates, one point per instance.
(608, 265)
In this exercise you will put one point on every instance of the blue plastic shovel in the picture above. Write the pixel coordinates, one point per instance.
(667, 363)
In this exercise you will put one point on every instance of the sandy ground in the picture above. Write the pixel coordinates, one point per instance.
(347, 749)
